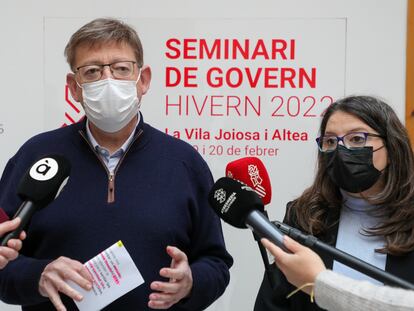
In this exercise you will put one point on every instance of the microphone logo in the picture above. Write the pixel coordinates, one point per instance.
(220, 195)
(44, 169)
(255, 178)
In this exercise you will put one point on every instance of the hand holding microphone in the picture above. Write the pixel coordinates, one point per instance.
(331, 290)
(301, 266)
(10, 251)
(37, 188)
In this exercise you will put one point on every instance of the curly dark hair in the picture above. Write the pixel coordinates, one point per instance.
(318, 208)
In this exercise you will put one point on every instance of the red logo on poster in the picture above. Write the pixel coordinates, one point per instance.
(73, 111)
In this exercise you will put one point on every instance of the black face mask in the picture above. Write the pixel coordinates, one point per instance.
(352, 169)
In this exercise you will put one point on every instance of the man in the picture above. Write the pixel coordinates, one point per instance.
(128, 182)
(11, 251)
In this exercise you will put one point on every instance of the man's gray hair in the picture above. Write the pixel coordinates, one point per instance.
(101, 31)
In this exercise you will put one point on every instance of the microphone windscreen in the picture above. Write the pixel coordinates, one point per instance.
(252, 172)
(233, 201)
(3, 216)
(42, 181)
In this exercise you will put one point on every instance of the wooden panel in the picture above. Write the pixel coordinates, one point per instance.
(409, 87)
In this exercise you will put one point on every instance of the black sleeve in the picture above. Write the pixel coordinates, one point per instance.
(272, 292)
(269, 298)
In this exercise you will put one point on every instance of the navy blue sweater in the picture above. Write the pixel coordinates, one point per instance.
(158, 197)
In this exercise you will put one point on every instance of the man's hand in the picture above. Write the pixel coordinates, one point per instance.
(11, 251)
(179, 285)
(52, 280)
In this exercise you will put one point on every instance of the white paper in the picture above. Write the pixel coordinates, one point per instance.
(114, 274)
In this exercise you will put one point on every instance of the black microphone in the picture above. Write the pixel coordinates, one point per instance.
(240, 206)
(39, 186)
(345, 258)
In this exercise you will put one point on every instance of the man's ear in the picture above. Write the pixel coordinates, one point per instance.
(74, 89)
(145, 79)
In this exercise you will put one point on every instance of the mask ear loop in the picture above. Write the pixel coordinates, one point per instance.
(139, 75)
(78, 82)
(379, 148)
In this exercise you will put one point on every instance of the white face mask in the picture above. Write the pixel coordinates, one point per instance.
(110, 104)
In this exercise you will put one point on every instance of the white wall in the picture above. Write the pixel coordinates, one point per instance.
(375, 64)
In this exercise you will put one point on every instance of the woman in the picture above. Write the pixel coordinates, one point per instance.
(362, 198)
(331, 290)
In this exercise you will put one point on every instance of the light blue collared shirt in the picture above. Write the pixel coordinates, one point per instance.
(110, 160)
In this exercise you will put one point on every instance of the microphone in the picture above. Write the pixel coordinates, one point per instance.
(39, 186)
(345, 258)
(252, 172)
(240, 206)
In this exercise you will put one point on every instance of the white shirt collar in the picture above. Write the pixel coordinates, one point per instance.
(96, 146)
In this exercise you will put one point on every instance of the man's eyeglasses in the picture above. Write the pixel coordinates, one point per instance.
(120, 70)
(351, 140)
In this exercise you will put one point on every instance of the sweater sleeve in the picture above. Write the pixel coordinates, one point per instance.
(19, 279)
(336, 292)
(209, 260)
